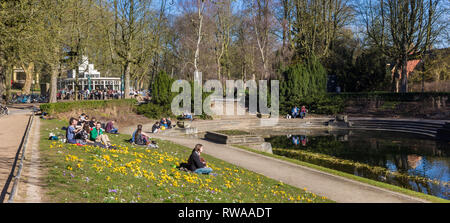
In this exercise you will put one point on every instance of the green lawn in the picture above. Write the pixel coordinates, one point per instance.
(129, 174)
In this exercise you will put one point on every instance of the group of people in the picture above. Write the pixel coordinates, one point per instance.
(87, 94)
(195, 163)
(83, 131)
(165, 123)
(296, 112)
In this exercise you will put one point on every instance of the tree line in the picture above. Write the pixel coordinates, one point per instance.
(353, 40)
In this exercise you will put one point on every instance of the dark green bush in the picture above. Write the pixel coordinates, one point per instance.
(161, 94)
(154, 111)
(391, 96)
(305, 84)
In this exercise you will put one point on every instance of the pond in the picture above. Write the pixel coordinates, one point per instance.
(406, 160)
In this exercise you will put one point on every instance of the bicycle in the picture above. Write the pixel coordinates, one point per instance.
(4, 110)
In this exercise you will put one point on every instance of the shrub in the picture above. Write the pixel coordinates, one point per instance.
(305, 84)
(161, 89)
(60, 107)
(154, 111)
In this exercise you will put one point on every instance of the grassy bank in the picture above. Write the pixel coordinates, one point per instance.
(351, 176)
(134, 174)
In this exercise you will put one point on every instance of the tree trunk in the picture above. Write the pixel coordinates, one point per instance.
(404, 81)
(29, 72)
(8, 77)
(53, 84)
(127, 80)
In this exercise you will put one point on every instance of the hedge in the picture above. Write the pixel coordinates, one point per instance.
(60, 107)
(390, 96)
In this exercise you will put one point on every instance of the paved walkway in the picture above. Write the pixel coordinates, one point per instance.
(31, 184)
(336, 188)
(12, 130)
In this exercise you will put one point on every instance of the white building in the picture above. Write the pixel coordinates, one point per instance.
(87, 73)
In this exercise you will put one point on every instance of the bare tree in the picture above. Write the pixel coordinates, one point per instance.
(128, 35)
(403, 30)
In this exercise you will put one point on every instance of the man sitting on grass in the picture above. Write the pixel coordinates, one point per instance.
(72, 131)
(110, 127)
(97, 135)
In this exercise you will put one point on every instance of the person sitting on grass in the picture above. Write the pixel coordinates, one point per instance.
(294, 112)
(164, 123)
(93, 123)
(72, 131)
(97, 135)
(169, 123)
(156, 128)
(84, 134)
(82, 117)
(303, 112)
(140, 138)
(110, 127)
(196, 163)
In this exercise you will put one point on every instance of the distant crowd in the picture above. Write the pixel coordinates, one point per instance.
(66, 94)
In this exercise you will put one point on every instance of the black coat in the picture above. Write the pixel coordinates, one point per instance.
(194, 161)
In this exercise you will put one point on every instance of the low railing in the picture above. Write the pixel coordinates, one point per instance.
(22, 150)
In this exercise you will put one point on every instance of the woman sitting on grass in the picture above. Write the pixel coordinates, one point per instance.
(156, 127)
(196, 163)
(140, 138)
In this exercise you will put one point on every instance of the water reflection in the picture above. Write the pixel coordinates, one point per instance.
(409, 155)
(297, 140)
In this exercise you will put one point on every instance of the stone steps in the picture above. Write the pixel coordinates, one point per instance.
(418, 127)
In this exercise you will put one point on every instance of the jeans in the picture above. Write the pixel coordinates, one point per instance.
(302, 114)
(205, 170)
(294, 115)
(114, 131)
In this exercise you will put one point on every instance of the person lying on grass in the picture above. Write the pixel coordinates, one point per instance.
(196, 163)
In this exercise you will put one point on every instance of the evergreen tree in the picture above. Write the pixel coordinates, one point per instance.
(302, 81)
(161, 90)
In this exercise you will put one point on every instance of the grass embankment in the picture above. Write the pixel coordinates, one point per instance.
(129, 174)
(351, 176)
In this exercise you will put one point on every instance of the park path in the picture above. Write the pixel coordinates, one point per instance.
(336, 188)
(31, 187)
(12, 130)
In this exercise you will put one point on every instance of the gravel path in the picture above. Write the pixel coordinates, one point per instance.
(12, 130)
